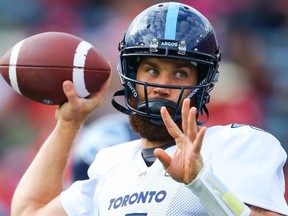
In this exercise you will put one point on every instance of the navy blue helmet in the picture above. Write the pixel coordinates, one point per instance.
(173, 31)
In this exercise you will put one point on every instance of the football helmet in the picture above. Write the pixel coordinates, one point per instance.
(174, 31)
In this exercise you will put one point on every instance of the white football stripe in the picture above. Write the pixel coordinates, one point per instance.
(12, 66)
(78, 69)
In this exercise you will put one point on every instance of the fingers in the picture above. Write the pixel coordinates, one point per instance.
(171, 126)
(194, 132)
(97, 97)
(199, 140)
(192, 123)
(78, 109)
(70, 92)
(189, 123)
(163, 157)
(185, 109)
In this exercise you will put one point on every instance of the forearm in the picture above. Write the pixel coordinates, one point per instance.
(218, 200)
(42, 181)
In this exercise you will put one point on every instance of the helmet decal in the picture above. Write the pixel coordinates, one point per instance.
(171, 21)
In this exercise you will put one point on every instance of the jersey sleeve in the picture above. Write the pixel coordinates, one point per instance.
(78, 199)
(81, 198)
(250, 163)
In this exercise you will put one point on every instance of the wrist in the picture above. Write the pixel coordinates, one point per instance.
(69, 126)
(214, 195)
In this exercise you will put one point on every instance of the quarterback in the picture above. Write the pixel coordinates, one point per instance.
(168, 64)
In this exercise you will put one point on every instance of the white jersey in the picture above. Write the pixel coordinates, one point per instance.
(247, 160)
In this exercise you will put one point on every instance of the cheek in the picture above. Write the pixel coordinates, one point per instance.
(193, 99)
(141, 90)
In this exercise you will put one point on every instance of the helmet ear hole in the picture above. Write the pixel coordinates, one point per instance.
(133, 63)
(202, 72)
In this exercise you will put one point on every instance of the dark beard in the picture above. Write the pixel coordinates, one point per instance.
(149, 131)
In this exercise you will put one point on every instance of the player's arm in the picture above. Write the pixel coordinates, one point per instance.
(186, 166)
(38, 191)
(218, 200)
(256, 211)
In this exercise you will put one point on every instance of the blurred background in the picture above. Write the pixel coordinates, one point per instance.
(253, 86)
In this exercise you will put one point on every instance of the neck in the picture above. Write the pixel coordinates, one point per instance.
(148, 153)
(146, 144)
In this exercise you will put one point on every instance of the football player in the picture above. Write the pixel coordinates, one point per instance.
(168, 64)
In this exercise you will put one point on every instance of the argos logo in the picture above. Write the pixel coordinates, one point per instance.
(141, 197)
(169, 44)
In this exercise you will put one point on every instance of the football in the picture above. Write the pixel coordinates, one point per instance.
(37, 66)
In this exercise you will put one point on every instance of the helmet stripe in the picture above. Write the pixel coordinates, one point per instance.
(171, 21)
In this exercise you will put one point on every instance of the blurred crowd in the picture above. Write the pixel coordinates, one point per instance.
(253, 86)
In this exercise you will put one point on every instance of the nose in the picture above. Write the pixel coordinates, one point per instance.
(162, 91)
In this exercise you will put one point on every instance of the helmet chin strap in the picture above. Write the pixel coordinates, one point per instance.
(118, 106)
(202, 111)
(153, 107)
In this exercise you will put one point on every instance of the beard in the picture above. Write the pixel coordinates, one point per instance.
(152, 132)
(149, 131)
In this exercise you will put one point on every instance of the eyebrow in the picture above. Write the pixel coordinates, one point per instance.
(150, 63)
(178, 64)
(185, 64)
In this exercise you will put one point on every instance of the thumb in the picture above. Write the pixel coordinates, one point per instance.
(163, 157)
(70, 92)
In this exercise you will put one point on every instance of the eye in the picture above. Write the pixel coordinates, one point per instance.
(153, 72)
(181, 75)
